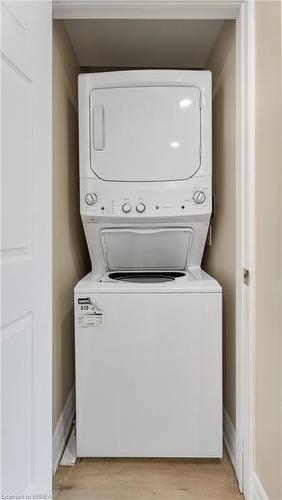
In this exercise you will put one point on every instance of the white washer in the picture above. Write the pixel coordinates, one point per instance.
(147, 319)
(148, 358)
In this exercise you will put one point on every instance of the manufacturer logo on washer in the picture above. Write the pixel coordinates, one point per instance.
(84, 301)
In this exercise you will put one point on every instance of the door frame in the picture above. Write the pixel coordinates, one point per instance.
(243, 12)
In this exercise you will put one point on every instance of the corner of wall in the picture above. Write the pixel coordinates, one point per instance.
(70, 254)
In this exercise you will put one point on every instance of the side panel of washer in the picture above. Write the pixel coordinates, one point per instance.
(149, 375)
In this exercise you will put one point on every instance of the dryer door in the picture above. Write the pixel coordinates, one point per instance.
(145, 133)
(140, 249)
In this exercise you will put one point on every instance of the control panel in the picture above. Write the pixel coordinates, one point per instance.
(109, 200)
(154, 204)
(191, 197)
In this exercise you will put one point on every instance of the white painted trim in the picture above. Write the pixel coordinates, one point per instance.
(240, 165)
(146, 9)
(245, 317)
(229, 437)
(257, 490)
(63, 426)
(70, 454)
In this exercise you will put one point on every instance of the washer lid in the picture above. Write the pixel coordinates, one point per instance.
(133, 248)
(145, 133)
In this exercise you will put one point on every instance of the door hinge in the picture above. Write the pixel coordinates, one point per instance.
(246, 276)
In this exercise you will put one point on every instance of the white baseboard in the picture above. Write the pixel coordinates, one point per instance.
(229, 437)
(61, 432)
(257, 490)
(70, 454)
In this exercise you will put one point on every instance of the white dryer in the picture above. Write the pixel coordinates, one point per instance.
(148, 319)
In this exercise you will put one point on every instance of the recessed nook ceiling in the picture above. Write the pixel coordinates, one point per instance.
(141, 43)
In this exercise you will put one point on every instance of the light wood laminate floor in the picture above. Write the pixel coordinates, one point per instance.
(147, 479)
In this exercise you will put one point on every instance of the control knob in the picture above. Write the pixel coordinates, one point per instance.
(91, 198)
(140, 207)
(126, 208)
(199, 197)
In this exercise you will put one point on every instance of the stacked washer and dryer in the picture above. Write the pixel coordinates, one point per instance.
(147, 318)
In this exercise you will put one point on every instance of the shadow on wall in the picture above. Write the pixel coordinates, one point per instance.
(67, 345)
(219, 259)
(77, 239)
(77, 247)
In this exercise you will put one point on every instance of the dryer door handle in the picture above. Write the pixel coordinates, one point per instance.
(98, 127)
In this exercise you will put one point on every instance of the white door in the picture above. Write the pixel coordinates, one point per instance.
(152, 132)
(26, 245)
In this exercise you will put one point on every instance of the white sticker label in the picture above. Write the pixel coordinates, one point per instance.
(88, 313)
